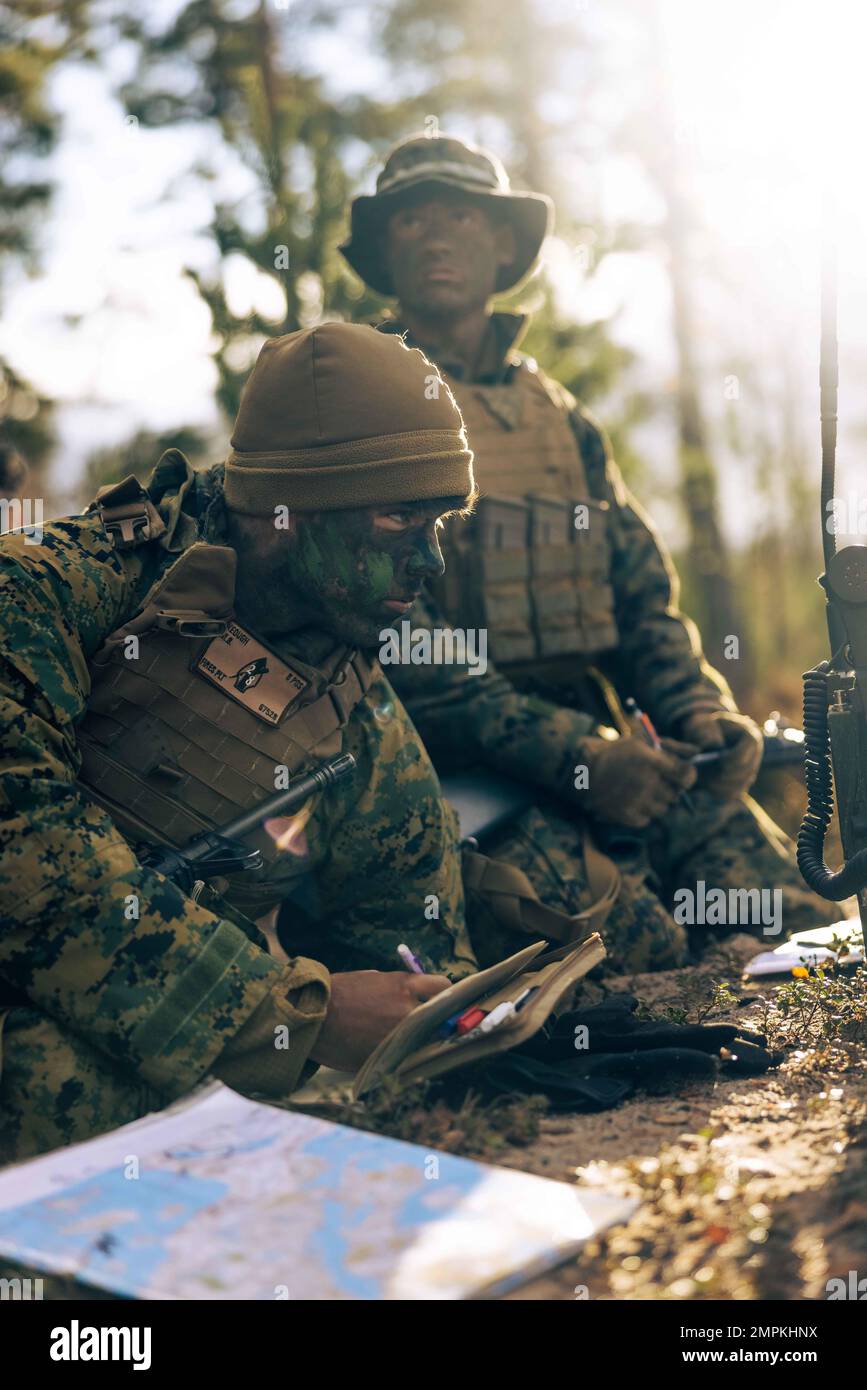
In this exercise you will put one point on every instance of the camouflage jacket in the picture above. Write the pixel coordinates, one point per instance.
(659, 661)
(184, 990)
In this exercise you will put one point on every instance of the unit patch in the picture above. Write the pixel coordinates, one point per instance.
(250, 674)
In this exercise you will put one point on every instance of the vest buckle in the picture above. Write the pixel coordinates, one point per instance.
(127, 526)
(128, 514)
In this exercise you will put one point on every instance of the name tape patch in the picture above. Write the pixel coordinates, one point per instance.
(250, 674)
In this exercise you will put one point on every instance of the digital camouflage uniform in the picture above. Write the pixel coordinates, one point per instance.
(528, 718)
(107, 1018)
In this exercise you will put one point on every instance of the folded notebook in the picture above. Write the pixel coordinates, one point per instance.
(416, 1049)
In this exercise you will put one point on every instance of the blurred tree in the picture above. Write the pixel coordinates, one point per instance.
(35, 36)
(26, 423)
(13, 472)
(458, 63)
(778, 566)
(492, 63)
(650, 132)
(237, 69)
(139, 455)
(709, 565)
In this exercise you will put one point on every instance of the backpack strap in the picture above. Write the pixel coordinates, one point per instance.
(515, 902)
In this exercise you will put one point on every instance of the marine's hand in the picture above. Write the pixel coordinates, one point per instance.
(742, 740)
(365, 1005)
(630, 783)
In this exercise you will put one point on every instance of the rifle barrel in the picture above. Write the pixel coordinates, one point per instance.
(326, 774)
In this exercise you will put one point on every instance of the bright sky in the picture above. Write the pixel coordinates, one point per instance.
(762, 93)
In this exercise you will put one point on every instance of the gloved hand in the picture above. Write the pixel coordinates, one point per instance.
(593, 1058)
(742, 740)
(630, 783)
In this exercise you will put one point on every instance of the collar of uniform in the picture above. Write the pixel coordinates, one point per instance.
(499, 356)
(189, 502)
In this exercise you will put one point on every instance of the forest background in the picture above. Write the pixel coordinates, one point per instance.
(174, 187)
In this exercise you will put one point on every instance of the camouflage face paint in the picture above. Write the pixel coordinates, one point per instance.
(443, 255)
(351, 572)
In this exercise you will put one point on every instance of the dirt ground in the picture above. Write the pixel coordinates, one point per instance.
(751, 1189)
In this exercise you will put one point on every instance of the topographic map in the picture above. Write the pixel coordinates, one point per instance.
(220, 1197)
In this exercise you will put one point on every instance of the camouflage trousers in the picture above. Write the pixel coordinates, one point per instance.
(667, 874)
(56, 1089)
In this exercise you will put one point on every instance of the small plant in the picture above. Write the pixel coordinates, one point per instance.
(721, 1000)
(825, 1006)
(701, 998)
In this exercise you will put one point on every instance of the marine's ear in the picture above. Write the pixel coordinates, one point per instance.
(253, 533)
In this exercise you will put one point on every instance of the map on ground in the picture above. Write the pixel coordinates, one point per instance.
(221, 1197)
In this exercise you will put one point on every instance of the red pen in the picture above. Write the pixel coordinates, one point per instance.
(462, 1023)
(645, 721)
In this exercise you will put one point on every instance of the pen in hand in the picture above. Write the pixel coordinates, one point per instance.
(646, 723)
(410, 960)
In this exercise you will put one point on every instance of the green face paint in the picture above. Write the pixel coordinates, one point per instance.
(345, 574)
(339, 566)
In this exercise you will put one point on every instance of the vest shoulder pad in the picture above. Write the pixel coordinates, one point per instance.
(556, 394)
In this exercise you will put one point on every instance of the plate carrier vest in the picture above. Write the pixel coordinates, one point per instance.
(532, 564)
(189, 714)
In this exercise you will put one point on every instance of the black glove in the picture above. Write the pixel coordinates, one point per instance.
(624, 1054)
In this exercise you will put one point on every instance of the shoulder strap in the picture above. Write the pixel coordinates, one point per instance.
(193, 598)
(594, 448)
(514, 901)
(590, 438)
(530, 374)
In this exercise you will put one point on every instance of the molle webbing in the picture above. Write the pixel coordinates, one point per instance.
(168, 752)
(179, 755)
(520, 566)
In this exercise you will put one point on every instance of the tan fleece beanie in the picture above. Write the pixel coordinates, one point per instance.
(343, 416)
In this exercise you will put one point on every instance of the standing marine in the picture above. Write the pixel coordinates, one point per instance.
(579, 598)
